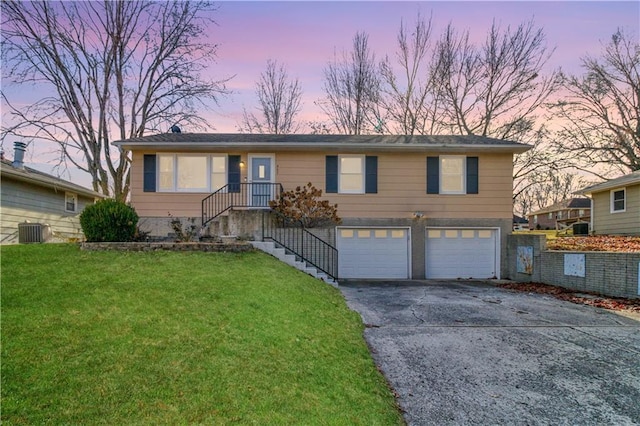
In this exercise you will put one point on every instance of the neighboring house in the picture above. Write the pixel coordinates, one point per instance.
(520, 223)
(51, 205)
(616, 205)
(561, 215)
(411, 206)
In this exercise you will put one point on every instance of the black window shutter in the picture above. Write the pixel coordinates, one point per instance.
(233, 174)
(371, 174)
(433, 175)
(149, 173)
(472, 175)
(331, 174)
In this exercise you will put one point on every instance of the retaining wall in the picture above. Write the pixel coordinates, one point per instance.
(606, 273)
(234, 247)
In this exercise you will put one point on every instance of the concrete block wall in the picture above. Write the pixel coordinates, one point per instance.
(606, 273)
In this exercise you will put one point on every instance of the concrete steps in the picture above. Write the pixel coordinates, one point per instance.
(290, 259)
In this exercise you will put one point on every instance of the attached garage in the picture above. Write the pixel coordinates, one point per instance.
(462, 253)
(373, 253)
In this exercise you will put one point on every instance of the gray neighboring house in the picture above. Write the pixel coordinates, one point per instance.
(42, 206)
(616, 205)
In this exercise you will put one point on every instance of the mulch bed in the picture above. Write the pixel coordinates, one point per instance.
(580, 297)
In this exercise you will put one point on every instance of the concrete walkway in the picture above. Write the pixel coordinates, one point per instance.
(471, 353)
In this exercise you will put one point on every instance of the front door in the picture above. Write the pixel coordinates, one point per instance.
(261, 179)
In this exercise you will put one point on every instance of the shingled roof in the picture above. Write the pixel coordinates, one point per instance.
(194, 141)
(36, 177)
(568, 204)
(632, 178)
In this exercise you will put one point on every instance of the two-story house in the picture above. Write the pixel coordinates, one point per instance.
(411, 206)
(561, 215)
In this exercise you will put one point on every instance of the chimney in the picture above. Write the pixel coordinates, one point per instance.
(18, 156)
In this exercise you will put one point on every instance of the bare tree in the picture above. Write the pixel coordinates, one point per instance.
(601, 113)
(408, 99)
(279, 99)
(499, 90)
(548, 188)
(495, 90)
(352, 88)
(115, 70)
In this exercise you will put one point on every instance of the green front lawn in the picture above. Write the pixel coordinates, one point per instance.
(179, 338)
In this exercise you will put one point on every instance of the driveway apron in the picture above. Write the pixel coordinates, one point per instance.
(465, 352)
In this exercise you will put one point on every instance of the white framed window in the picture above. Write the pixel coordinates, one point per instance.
(191, 172)
(70, 202)
(535, 218)
(550, 215)
(218, 172)
(618, 200)
(452, 174)
(351, 174)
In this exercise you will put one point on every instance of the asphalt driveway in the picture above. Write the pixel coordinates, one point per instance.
(472, 353)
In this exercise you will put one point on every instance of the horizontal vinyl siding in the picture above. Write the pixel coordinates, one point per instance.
(161, 204)
(401, 188)
(627, 222)
(23, 202)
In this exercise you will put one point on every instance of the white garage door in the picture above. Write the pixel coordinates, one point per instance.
(373, 252)
(462, 253)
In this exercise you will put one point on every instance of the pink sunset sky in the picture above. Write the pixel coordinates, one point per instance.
(304, 36)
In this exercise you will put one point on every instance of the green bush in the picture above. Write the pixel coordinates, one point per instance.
(109, 220)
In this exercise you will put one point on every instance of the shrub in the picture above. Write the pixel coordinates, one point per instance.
(109, 220)
(184, 233)
(303, 205)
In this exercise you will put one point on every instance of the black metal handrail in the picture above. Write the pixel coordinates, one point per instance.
(292, 236)
(239, 195)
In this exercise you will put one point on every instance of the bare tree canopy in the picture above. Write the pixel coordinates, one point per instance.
(352, 88)
(601, 113)
(115, 69)
(409, 103)
(279, 102)
(496, 89)
(547, 187)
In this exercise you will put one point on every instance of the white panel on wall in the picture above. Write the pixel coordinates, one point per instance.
(574, 265)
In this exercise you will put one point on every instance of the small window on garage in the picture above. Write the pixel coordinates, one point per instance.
(346, 233)
(380, 233)
(364, 233)
(434, 233)
(451, 233)
(397, 233)
(485, 234)
(468, 233)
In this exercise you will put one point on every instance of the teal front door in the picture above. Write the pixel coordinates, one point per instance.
(261, 191)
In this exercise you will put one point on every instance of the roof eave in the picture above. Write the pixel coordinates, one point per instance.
(607, 186)
(199, 146)
(42, 181)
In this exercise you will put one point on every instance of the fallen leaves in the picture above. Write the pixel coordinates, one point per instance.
(584, 298)
(596, 243)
